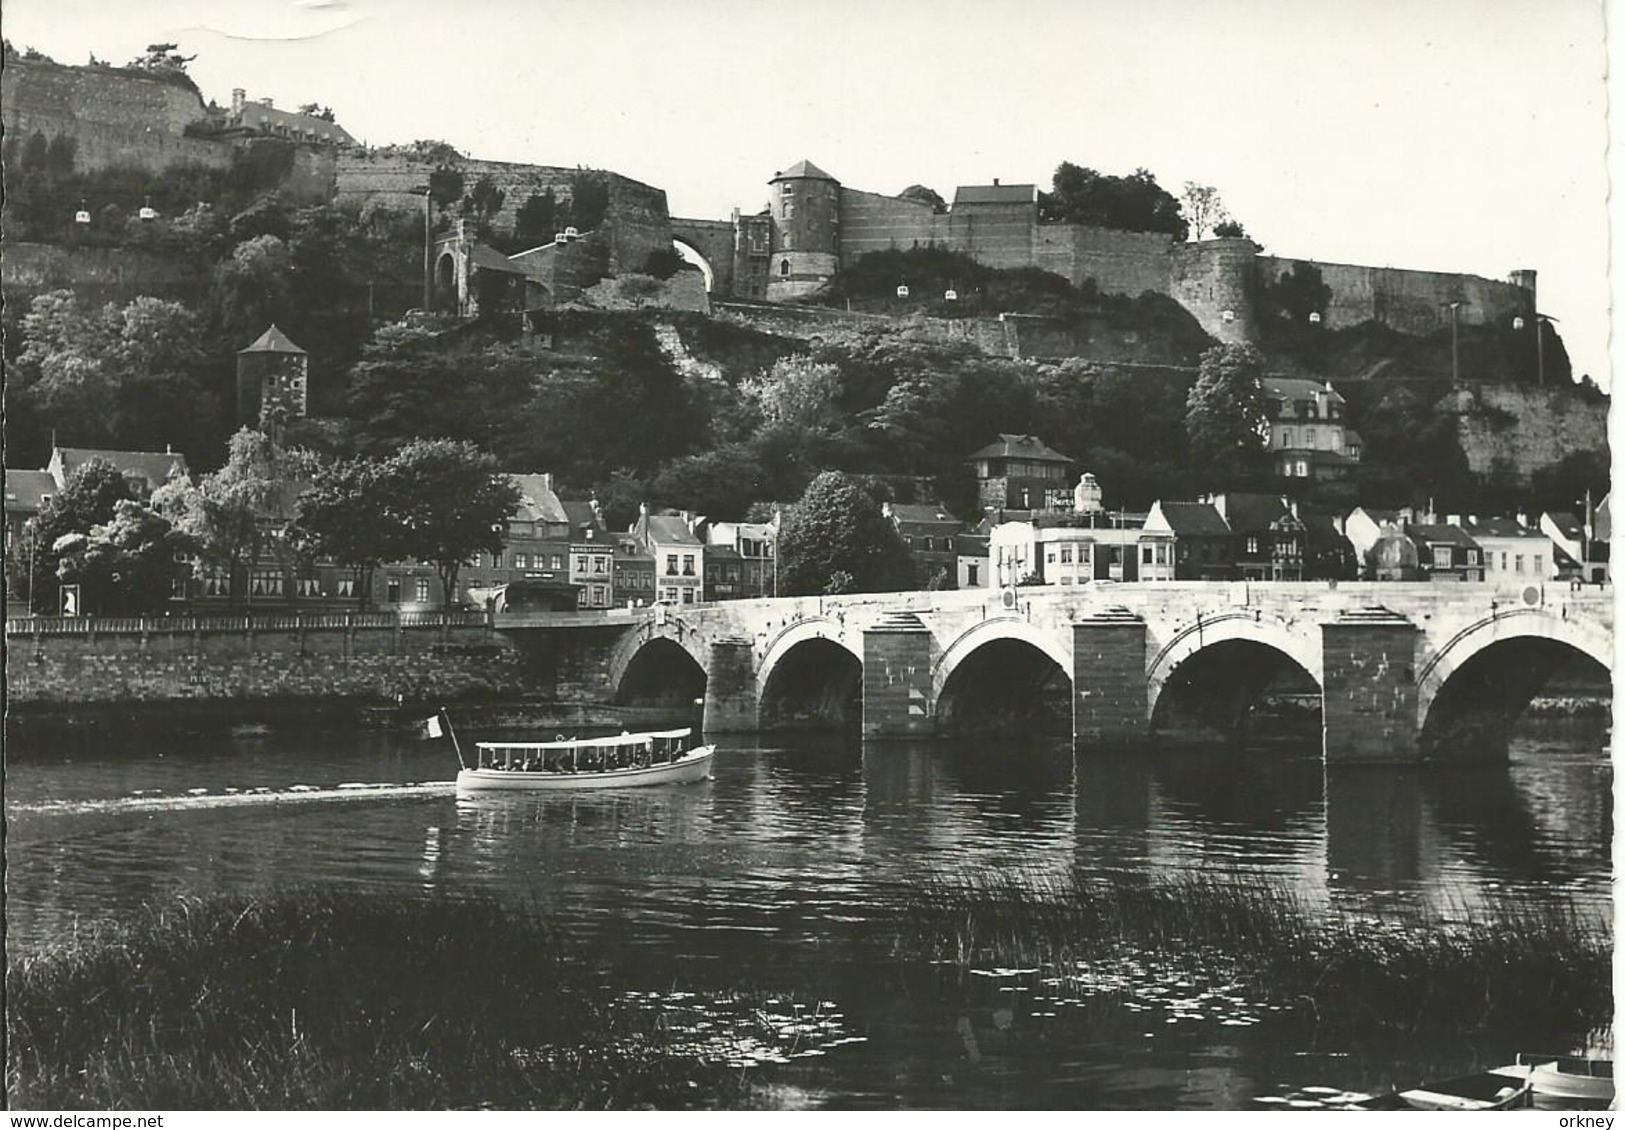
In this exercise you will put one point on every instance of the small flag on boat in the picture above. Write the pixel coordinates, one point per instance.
(433, 729)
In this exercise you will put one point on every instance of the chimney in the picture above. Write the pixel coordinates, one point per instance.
(238, 97)
(885, 510)
(267, 103)
(1452, 519)
(547, 480)
(995, 182)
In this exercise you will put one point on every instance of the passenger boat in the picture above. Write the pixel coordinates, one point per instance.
(1572, 1078)
(622, 761)
(1485, 1091)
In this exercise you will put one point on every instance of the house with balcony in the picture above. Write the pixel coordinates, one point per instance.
(1268, 538)
(1203, 544)
(1308, 438)
(679, 555)
(1019, 472)
(1074, 549)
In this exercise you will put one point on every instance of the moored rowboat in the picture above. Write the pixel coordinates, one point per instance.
(1564, 1077)
(1486, 1091)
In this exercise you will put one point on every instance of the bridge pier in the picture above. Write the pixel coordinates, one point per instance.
(1368, 688)
(730, 687)
(897, 678)
(1108, 681)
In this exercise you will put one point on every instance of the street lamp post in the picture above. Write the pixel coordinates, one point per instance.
(1455, 344)
(428, 266)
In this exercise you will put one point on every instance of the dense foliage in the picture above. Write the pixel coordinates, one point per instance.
(835, 540)
(1224, 413)
(1129, 203)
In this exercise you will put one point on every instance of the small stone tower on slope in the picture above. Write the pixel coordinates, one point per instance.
(806, 210)
(272, 379)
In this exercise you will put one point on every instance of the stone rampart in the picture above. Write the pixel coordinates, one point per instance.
(102, 274)
(367, 664)
(1414, 302)
(1119, 262)
(871, 222)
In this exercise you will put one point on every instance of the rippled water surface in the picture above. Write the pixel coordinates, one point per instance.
(763, 875)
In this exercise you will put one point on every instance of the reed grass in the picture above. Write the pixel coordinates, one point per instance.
(333, 1001)
(1520, 969)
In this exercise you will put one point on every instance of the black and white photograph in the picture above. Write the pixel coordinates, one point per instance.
(618, 555)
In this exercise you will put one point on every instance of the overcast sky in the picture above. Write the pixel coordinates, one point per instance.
(1453, 135)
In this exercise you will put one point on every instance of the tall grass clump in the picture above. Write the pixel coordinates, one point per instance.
(1521, 968)
(331, 1001)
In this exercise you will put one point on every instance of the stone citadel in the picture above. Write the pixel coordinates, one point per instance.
(813, 225)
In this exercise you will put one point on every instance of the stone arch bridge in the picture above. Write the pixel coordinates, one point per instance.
(1400, 670)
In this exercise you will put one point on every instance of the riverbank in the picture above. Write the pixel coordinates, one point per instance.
(1513, 972)
(333, 1002)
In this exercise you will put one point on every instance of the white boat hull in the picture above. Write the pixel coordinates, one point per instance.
(695, 765)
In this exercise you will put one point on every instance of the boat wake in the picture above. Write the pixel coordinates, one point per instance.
(195, 799)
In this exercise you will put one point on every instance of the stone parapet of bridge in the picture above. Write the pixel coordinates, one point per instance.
(1382, 654)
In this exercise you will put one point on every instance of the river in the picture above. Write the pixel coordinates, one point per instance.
(768, 874)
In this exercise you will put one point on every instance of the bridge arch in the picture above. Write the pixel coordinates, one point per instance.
(811, 676)
(1204, 682)
(659, 661)
(692, 254)
(1004, 674)
(1301, 647)
(1480, 680)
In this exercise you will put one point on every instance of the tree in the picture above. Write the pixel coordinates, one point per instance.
(135, 376)
(225, 513)
(797, 393)
(924, 195)
(1224, 413)
(344, 515)
(835, 539)
(1202, 207)
(89, 497)
(449, 502)
(1229, 229)
(589, 199)
(484, 200)
(446, 185)
(251, 289)
(125, 565)
(312, 109)
(162, 57)
(534, 222)
(1299, 292)
(1131, 203)
(634, 290)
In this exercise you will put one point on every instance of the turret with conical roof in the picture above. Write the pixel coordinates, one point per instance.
(272, 375)
(806, 209)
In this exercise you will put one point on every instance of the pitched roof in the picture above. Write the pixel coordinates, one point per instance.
(490, 259)
(915, 512)
(1501, 528)
(1019, 447)
(972, 545)
(272, 340)
(670, 529)
(25, 490)
(802, 169)
(1440, 535)
(154, 466)
(537, 501)
(1299, 388)
(1567, 524)
(995, 194)
(721, 553)
(579, 512)
(1247, 513)
(1193, 518)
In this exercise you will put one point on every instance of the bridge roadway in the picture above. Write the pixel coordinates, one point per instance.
(1403, 669)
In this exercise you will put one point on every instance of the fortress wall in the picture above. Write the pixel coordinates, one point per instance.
(1522, 428)
(1414, 302)
(1120, 262)
(713, 239)
(637, 212)
(116, 117)
(996, 235)
(871, 222)
(1213, 277)
(102, 274)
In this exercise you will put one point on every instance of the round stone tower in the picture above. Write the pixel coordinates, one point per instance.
(806, 210)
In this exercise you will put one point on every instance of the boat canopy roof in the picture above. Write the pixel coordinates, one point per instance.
(611, 741)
